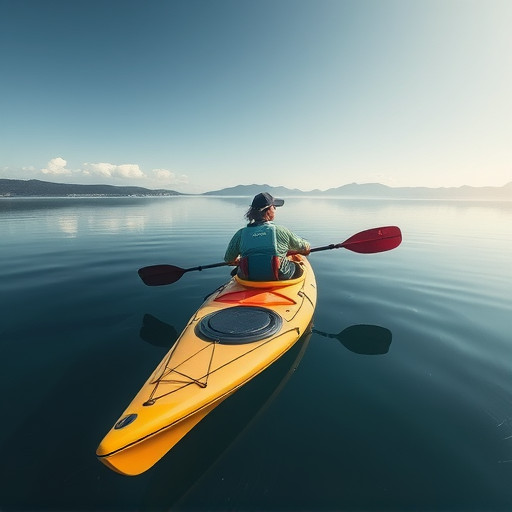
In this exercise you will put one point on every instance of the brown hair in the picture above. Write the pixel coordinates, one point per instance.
(256, 214)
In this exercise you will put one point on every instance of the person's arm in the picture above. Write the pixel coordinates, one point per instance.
(233, 250)
(289, 241)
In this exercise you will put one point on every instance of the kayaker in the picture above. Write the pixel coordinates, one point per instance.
(260, 248)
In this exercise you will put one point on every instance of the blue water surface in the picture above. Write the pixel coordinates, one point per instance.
(425, 426)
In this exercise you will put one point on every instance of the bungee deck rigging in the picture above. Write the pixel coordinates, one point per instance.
(191, 380)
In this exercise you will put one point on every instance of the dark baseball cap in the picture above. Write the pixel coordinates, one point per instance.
(264, 200)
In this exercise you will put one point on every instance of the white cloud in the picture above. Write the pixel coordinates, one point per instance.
(114, 171)
(56, 166)
(163, 175)
(105, 172)
(168, 177)
(102, 169)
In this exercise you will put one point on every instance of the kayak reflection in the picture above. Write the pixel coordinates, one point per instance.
(370, 340)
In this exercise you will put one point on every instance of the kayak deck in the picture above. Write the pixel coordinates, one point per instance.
(237, 332)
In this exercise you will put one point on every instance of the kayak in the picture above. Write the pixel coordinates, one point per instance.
(239, 331)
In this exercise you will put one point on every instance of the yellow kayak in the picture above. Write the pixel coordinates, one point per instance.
(240, 330)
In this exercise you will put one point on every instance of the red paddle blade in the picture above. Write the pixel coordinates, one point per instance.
(374, 240)
(159, 275)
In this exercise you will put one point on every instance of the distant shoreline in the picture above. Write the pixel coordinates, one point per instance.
(43, 189)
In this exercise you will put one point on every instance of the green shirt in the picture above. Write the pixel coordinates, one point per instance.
(286, 241)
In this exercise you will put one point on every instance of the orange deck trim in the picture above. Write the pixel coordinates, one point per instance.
(255, 298)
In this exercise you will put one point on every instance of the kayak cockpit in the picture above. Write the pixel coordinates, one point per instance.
(300, 275)
(262, 293)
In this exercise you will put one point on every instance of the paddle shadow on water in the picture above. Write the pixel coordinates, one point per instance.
(369, 340)
(157, 333)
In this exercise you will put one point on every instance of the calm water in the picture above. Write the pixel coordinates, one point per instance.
(425, 426)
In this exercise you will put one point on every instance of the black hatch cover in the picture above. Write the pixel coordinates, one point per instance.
(240, 324)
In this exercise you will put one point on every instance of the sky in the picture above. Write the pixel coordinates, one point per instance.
(199, 95)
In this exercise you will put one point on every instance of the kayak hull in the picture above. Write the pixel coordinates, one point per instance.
(240, 329)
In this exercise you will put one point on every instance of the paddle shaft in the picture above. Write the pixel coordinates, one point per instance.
(202, 267)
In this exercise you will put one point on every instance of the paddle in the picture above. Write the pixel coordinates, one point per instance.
(366, 242)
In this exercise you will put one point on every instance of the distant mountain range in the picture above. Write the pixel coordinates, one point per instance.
(378, 191)
(37, 188)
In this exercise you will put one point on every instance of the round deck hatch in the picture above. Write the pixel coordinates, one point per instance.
(240, 324)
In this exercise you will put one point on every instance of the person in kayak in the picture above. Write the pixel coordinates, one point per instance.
(260, 248)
